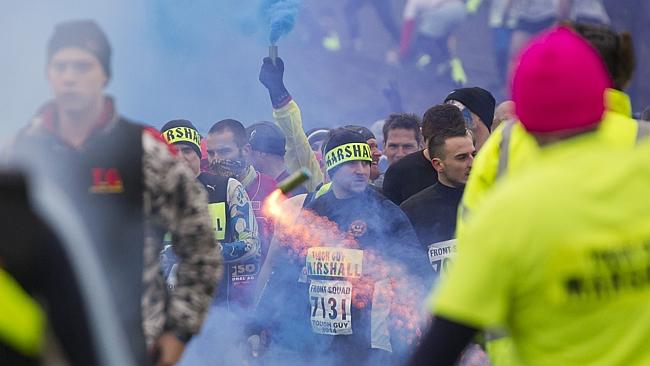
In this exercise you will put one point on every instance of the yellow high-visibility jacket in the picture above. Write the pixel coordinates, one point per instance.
(22, 321)
(510, 149)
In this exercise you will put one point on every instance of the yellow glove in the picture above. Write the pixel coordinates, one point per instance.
(457, 72)
(472, 6)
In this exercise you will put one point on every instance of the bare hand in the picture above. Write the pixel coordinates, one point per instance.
(170, 349)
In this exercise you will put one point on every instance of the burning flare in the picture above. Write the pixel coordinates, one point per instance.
(406, 291)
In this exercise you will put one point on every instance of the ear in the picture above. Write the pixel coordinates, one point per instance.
(247, 150)
(438, 165)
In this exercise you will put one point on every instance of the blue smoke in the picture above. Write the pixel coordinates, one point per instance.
(280, 15)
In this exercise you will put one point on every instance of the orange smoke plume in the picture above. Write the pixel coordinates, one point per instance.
(308, 230)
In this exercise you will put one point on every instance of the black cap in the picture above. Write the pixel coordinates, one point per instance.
(478, 100)
(182, 132)
(84, 34)
(364, 131)
(266, 137)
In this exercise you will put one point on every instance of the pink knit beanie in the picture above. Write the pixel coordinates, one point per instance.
(559, 83)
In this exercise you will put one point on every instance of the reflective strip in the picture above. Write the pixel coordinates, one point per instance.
(379, 316)
(495, 334)
(464, 212)
(22, 321)
(504, 149)
(642, 131)
(322, 190)
(218, 216)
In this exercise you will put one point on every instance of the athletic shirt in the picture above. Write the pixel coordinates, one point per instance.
(558, 255)
(408, 176)
(432, 213)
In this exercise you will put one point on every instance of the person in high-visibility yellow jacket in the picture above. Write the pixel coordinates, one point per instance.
(556, 253)
(510, 149)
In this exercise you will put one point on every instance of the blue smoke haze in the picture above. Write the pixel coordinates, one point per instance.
(280, 15)
(200, 59)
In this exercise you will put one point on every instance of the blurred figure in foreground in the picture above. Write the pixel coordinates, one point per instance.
(577, 259)
(131, 188)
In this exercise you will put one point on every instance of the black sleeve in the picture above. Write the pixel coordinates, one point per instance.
(443, 343)
(66, 307)
(408, 250)
(391, 185)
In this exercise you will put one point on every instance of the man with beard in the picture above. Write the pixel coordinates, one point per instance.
(229, 155)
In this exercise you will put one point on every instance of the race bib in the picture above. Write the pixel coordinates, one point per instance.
(244, 273)
(331, 307)
(331, 299)
(440, 255)
(334, 262)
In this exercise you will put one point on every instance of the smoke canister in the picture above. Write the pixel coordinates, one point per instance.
(273, 53)
(294, 180)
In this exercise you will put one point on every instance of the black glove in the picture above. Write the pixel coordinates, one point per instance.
(271, 78)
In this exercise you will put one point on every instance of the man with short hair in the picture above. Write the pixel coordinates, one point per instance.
(229, 153)
(432, 211)
(131, 188)
(414, 172)
(267, 152)
(402, 136)
(477, 106)
(233, 221)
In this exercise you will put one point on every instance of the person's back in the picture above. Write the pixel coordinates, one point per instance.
(510, 148)
(570, 235)
(580, 282)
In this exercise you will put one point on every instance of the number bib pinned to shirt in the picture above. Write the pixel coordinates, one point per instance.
(330, 307)
(440, 255)
(331, 298)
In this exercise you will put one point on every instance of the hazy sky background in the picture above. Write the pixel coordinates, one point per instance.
(200, 59)
(171, 58)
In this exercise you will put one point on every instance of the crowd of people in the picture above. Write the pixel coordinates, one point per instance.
(477, 234)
